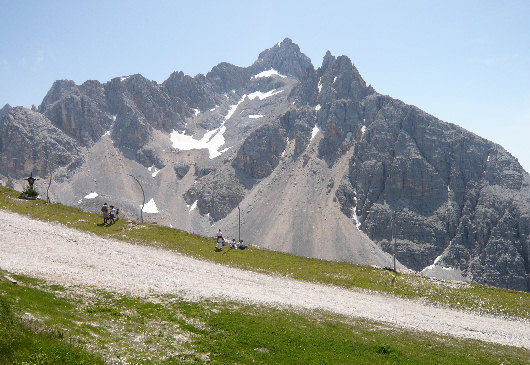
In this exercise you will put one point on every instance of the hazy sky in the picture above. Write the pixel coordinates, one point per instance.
(466, 62)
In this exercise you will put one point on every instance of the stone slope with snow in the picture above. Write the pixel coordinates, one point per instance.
(314, 161)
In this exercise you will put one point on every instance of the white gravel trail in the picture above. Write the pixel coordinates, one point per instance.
(70, 257)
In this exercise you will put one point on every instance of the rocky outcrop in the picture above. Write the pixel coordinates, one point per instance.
(216, 194)
(79, 111)
(260, 153)
(450, 194)
(194, 91)
(29, 143)
(287, 59)
(181, 169)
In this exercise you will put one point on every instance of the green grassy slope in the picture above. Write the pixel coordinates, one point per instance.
(457, 295)
(166, 329)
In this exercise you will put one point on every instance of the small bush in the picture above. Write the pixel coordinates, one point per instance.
(29, 193)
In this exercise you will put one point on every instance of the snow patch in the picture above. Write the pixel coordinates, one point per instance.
(334, 79)
(107, 133)
(91, 195)
(317, 108)
(260, 95)
(193, 206)
(255, 116)
(215, 107)
(320, 84)
(314, 132)
(196, 111)
(268, 73)
(286, 145)
(123, 78)
(212, 140)
(114, 117)
(363, 130)
(354, 214)
(154, 171)
(150, 207)
(356, 219)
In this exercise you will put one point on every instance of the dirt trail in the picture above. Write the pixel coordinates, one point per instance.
(69, 257)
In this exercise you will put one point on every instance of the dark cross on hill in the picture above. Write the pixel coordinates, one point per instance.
(31, 180)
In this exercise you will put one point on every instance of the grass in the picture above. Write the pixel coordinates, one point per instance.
(470, 296)
(21, 343)
(166, 329)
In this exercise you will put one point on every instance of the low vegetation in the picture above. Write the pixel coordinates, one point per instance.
(472, 296)
(22, 342)
(42, 322)
(57, 322)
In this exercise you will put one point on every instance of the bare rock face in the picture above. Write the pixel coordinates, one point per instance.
(79, 111)
(298, 124)
(216, 194)
(181, 170)
(29, 143)
(306, 153)
(450, 193)
(260, 153)
(287, 59)
(196, 91)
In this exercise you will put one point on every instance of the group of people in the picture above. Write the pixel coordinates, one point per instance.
(111, 213)
(233, 243)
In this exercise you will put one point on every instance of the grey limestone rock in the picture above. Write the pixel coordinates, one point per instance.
(30, 143)
(259, 154)
(216, 194)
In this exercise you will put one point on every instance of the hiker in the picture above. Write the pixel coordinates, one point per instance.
(112, 213)
(233, 243)
(117, 214)
(219, 245)
(105, 212)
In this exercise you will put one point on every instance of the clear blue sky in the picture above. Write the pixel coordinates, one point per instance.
(466, 62)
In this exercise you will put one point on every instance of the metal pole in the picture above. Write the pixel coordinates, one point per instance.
(49, 184)
(393, 239)
(14, 159)
(48, 189)
(143, 194)
(239, 218)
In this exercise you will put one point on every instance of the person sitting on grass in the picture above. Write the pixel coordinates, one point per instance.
(233, 243)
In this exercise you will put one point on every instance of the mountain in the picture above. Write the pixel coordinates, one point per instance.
(313, 161)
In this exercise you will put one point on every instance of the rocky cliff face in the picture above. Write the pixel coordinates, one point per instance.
(448, 192)
(30, 143)
(314, 161)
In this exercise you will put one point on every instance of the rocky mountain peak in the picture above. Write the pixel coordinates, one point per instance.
(4, 110)
(59, 90)
(192, 90)
(225, 76)
(286, 58)
(341, 78)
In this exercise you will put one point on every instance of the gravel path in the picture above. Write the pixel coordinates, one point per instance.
(70, 257)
